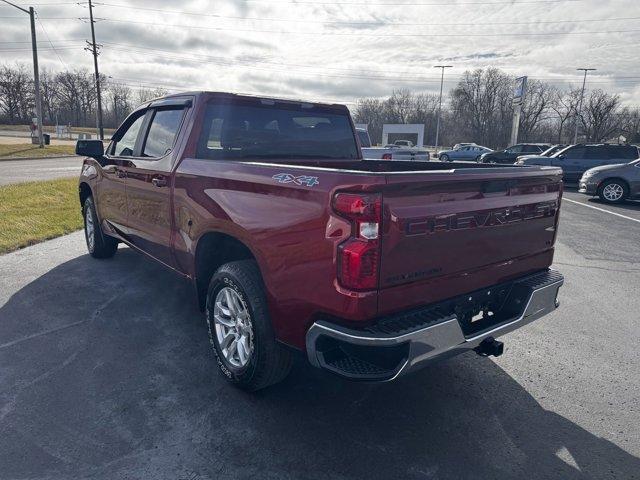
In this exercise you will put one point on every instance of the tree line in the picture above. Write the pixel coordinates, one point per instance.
(68, 97)
(479, 109)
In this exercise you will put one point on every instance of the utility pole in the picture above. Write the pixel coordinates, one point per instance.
(440, 102)
(579, 112)
(36, 76)
(94, 48)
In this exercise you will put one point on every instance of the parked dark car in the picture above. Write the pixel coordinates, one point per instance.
(612, 183)
(509, 155)
(577, 159)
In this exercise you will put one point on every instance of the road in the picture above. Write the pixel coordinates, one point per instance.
(16, 171)
(106, 372)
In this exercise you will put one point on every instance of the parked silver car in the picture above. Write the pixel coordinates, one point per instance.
(466, 152)
(612, 183)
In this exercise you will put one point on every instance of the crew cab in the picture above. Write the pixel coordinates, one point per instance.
(294, 243)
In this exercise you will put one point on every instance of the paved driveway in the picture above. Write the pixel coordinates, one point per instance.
(105, 372)
(15, 171)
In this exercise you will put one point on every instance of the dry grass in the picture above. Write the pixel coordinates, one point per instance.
(27, 150)
(36, 211)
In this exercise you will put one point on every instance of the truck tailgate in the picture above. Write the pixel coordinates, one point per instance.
(451, 232)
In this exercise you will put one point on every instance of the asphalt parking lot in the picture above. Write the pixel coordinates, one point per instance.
(105, 372)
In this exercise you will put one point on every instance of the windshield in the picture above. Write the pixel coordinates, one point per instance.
(550, 151)
(253, 129)
(561, 151)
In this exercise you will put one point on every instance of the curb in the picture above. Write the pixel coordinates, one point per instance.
(2, 159)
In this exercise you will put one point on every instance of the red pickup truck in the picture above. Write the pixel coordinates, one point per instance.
(294, 242)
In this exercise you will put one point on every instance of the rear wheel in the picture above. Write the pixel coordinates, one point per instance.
(613, 191)
(98, 244)
(444, 158)
(240, 330)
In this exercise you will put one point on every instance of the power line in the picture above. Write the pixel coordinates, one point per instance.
(50, 43)
(346, 22)
(360, 34)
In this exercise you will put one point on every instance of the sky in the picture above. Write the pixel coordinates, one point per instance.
(334, 50)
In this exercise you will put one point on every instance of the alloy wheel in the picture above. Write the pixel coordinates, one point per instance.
(234, 330)
(613, 192)
(89, 228)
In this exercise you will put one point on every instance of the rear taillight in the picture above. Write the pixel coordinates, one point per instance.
(387, 156)
(358, 257)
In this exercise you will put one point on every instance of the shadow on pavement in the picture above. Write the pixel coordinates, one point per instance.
(105, 372)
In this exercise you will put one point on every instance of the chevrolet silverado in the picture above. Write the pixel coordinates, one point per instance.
(294, 243)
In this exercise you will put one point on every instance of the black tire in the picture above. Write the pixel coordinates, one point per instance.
(444, 158)
(269, 362)
(607, 190)
(99, 244)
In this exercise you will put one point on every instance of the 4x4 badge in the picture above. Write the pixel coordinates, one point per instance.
(301, 180)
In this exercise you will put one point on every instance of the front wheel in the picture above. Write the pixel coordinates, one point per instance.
(98, 244)
(240, 330)
(613, 191)
(444, 158)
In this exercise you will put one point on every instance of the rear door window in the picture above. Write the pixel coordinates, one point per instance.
(623, 152)
(275, 130)
(162, 132)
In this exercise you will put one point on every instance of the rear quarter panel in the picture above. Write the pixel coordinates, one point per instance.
(289, 228)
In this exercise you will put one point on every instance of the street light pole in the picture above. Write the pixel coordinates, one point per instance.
(440, 101)
(36, 76)
(579, 112)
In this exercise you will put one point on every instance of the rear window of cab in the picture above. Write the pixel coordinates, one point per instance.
(275, 130)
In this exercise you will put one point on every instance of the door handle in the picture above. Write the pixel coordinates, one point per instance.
(159, 182)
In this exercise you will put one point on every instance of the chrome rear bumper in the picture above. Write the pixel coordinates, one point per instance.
(402, 343)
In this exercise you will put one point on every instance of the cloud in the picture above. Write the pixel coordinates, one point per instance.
(337, 52)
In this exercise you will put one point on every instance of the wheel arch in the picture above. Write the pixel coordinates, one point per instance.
(213, 250)
(620, 179)
(84, 191)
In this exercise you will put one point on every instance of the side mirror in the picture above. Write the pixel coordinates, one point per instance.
(560, 157)
(90, 148)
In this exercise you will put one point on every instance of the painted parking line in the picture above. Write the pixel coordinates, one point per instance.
(564, 199)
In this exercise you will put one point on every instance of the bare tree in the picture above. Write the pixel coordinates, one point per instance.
(600, 116)
(371, 112)
(630, 124)
(16, 94)
(564, 105)
(536, 111)
(481, 105)
(144, 95)
(120, 99)
(400, 105)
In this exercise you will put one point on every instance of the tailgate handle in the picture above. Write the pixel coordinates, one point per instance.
(497, 186)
